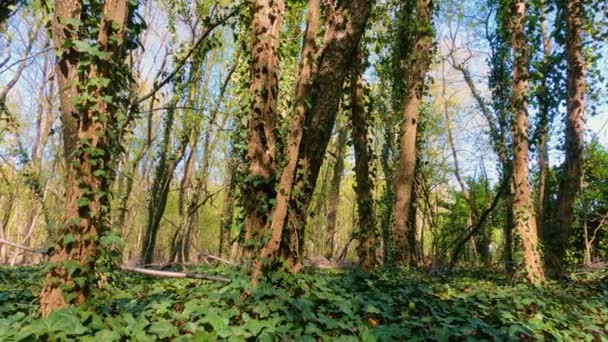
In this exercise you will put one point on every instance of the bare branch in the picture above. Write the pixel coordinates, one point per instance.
(182, 62)
(169, 274)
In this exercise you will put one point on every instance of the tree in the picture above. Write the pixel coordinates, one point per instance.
(90, 112)
(261, 148)
(417, 63)
(294, 139)
(366, 223)
(264, 90)
(572, 170)
(308, 138)
(523, 207)
(334, 190)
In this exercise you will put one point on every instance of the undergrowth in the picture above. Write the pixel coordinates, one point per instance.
(351, 306)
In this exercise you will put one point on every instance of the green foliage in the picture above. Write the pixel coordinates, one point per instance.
(388, 305)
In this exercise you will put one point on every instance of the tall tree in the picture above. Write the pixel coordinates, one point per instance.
(523, 207)
(323, 83)
(544, 106)
(417, 63)
(335, 187)
(90, 110)
(294, 139)
(261, 155)
(344, 26)
(572, 169)
(366, 223)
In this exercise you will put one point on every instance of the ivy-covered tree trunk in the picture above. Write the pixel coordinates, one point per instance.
(266, 28)
(388, 196)
(416, 70)
(544, 103)
(523, 207)
(88, 118)
(344, 26)
(228, 210)
(294, 139)
(334, 191)
(570, 183)
(366, 223)
(168, 161)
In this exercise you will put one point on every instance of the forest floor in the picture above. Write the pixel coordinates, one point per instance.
(329, 305)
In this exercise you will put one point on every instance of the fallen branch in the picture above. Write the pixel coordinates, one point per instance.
(25, 248)
(169, 274)
(216, 258)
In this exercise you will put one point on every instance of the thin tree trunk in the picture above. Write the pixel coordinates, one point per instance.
(366, 223)
(571, 179)
(404, 180)
(523, 207)
(334, 191)
(228, 210)
(543, 137)
(160, 187)
(388, 196)
(320, 211)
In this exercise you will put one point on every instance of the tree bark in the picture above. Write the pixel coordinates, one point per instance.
(160, 187)
(294, 139)
(523, 207)
(345, 23)
(334, 191)
(572, 169)
(261, 151)
(544, 100)
(404, 179)
(73, 259)
(366, 223)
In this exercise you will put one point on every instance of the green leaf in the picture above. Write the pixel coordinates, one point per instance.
(65, 320)
(163, 329)
(83, 202)
(69, 238)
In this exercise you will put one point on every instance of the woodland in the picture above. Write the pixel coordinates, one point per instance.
(281, 170)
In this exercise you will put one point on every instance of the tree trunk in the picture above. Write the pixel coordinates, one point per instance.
(404, 180)
(160, 187)
(366, 223)
(334, 191)
(228, 210)
(572, 168)
(388, 195)
(88, 151)
(294, 139)
(345, 24)
(544, 100)
(523, 207)
(261, 152)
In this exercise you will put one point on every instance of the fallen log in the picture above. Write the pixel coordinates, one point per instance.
(171, 274)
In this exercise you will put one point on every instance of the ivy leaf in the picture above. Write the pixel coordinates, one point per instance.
(218, 323)
(83, 202)
(163, 329)
(69, 238)
(64, 320)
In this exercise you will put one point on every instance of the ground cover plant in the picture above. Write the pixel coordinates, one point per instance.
(387, 305)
